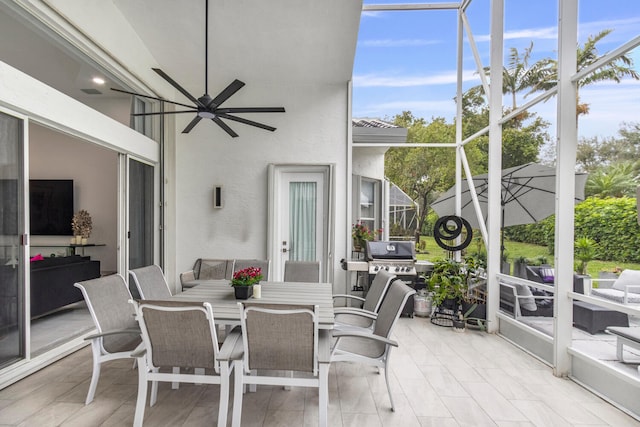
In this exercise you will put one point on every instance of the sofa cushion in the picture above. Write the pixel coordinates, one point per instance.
(616, 295)
(526, 303)
(628, 277)
(547, 274)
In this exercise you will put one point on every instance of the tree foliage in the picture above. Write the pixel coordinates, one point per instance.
(610, 222)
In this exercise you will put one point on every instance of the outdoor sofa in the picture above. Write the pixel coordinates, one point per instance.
(625, 289)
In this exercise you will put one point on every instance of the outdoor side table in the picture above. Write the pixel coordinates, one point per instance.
(593, 318)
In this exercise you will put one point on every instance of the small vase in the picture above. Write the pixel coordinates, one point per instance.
(243, 292)
(85, 240)
(78, 240)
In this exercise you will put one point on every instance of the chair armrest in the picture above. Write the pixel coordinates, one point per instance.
(634, 289)
(141, 351)
(232, 347)
(348, 296)
(363, 334)
(187, 276)
(355, 311)
(132, 331)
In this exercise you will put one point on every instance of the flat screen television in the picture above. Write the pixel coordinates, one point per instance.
(51, 207)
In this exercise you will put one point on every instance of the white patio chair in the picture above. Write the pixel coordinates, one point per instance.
(150, 282)
(302, 271)
(365, 316)
(374, 347)
(118, 333)
(182, 334)
(279, 337)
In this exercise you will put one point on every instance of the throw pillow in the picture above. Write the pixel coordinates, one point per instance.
(526, 303)
(627, 277)
(547, 275)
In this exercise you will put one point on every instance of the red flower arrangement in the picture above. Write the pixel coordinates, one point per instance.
(247, 277)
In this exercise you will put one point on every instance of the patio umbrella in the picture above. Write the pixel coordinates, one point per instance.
(528, 195)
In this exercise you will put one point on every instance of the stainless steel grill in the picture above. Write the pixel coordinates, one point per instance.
(395, 257)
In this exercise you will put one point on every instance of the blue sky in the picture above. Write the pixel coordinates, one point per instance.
(407, 60)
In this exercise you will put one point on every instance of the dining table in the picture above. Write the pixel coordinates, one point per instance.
(221, 296)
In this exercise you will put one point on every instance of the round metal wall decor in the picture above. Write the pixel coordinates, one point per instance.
(449, 228)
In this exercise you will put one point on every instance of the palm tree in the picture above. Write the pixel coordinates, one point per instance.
(518, 76)
(547, 69)
(617, 180)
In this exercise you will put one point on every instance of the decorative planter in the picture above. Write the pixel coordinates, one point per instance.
(243, 292)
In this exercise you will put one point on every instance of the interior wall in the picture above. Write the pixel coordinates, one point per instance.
(94, 170)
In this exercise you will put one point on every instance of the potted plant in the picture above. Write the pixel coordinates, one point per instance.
(449, 280)
(81, 225)
(243, 281)
(520, 267)
(584, 251)
(361, 234)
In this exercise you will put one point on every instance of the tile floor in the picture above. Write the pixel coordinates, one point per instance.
(439, 378)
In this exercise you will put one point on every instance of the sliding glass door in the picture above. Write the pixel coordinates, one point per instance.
(12, 228)
(141, 214)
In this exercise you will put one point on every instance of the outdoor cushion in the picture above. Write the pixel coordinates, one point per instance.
(526, 303)
(616, 295)
(627, 277)
(547, 275)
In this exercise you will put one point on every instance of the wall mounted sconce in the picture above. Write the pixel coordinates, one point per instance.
(217, 196)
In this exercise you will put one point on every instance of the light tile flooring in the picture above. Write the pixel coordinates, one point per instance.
(439, 378)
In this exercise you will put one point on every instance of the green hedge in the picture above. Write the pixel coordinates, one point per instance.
(611, 222)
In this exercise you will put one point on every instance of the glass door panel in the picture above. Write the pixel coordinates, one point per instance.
(141, 214)
(12, 327)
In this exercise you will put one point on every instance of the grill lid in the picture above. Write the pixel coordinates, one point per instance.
(390, 250)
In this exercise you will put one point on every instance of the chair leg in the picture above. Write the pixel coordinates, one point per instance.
(175, 384)
(95, 376)
(323, 394)
(142, 394)
(223, 407)
(386, 378)
(154, 390)
(237, 393)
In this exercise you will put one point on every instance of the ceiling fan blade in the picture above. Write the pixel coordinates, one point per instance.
(234, 110)
(192, 124)
(177, 86)
(151, 97)
(224, 126)
(248, 122)
(165, 112)
(233, 87)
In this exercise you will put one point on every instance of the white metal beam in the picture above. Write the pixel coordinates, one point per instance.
(494, 210)
(409, 6)
(567, 136)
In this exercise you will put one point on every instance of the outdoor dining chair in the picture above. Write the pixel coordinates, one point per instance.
(364, 317)
(118, 334)
(302, 271)
(183, 334)
(150, 282)
(373, 347)
(281, 337)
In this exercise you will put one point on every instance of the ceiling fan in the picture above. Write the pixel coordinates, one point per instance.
(207, 107)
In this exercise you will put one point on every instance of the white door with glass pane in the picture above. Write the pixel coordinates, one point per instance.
(299, 217)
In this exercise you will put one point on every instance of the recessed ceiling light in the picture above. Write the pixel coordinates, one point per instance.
(98, 80)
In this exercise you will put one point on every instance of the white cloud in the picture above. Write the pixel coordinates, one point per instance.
(374, 80)
(530, 33)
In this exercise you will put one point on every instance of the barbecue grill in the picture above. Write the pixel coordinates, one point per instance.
(398, 258)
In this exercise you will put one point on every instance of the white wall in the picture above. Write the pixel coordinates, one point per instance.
(94, 170)
(312, 131)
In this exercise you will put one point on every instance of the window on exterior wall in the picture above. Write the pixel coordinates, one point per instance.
(370, 196)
